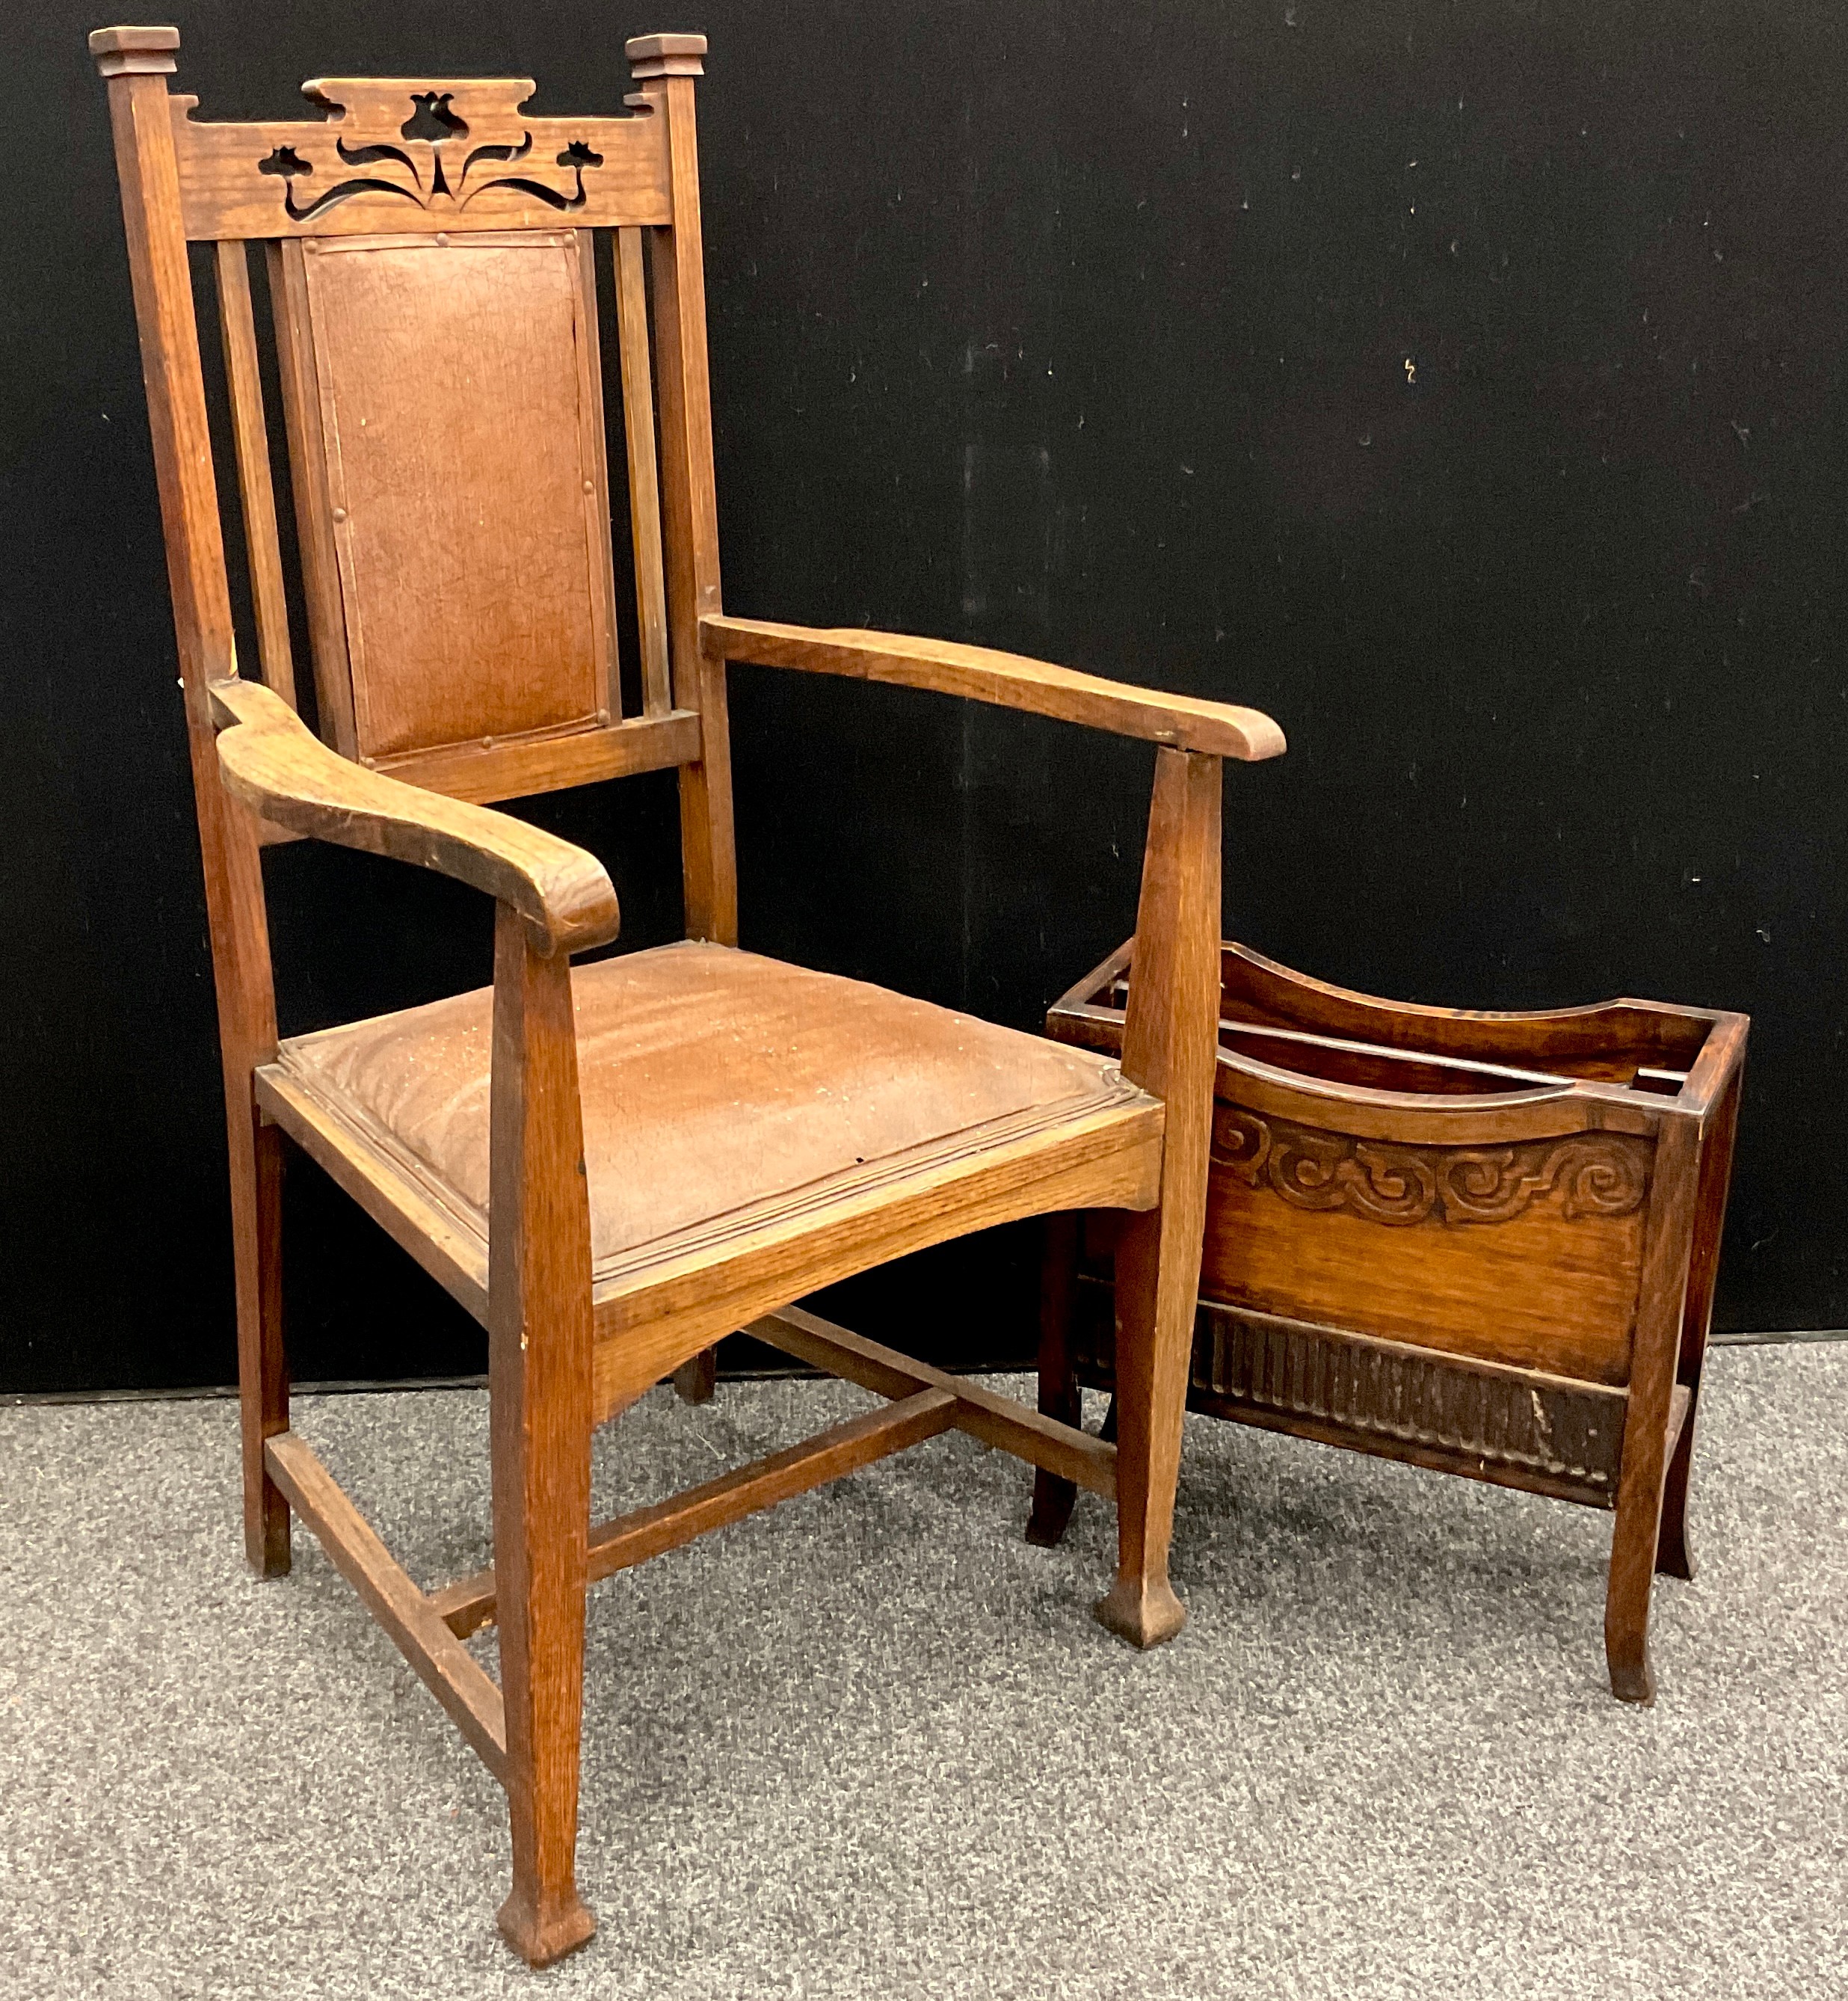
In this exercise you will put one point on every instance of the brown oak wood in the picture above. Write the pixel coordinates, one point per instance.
(256, 490)
(431, 253)
(517, 769)
(1662, 1298)
(696, 1381)
(470, 1603)
(314, 510)
(135, 62)
(273, 762)
(539, 1329)
(1167, 1047)
(455, 1258)
(689, 501)
(1503, 1269)
(644, 484)
(650, 1320)
(234, 183)
(998, 1421)
(444, 1666)
(1006, 680)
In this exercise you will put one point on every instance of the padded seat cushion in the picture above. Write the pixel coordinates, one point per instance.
(716, 1086)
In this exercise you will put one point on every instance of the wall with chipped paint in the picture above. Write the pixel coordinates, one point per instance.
(1462, 384)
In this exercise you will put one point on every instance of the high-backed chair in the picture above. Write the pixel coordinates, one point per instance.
(611, 1169)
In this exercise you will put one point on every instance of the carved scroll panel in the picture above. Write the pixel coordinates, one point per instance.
(410, 154)
(1590, 1173)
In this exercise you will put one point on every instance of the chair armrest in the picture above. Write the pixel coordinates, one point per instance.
(270, 760)
(1008, 680)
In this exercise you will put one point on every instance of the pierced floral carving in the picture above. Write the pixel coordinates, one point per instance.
(1597, 1174)
(436, 146)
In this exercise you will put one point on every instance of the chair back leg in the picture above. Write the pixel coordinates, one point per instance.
(256, 1176)
(1059, 1397)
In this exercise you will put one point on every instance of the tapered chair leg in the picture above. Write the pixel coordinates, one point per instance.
(1155, 1324)
(1059, 1397)
(262, 1362)
(539, 1337)
(539, 1551)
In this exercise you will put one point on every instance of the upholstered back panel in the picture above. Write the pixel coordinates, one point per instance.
(455, 444)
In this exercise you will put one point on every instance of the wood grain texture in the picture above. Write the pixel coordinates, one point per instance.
(1523, 1245)
(255, 488)
(651, 1318)
(314, 510)
(644, 484)
(441, 1243)
(1544, 1289)
(469, 1603)
(443, 1665)
(594, 452)
(997, 1421)
(1007, 680)
(1674, 1557)
(134, 51)
(664, 55)
(135, 61)
(1608, 1041)
(519, 768)
(539, 1331)
(500, 170)
(1167, 1048)
(273, 763)
(1510, 1427)
(689, 513)
(1667, 1256)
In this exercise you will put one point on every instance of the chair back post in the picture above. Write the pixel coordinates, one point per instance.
(136, 62)
(663, 66)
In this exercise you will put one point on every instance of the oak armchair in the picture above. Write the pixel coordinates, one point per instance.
(610, 1168)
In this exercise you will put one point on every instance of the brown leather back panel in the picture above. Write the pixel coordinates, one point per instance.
(460, 450)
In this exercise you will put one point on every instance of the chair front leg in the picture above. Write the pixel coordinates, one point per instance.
(540, 1333)
(1169, 1042)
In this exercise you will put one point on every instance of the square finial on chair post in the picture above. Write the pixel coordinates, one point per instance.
(135, 51)
(651, 56)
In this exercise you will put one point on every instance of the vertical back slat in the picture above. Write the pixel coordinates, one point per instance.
(320, 564)
(237, 325)
(644, 490)
(590, 376)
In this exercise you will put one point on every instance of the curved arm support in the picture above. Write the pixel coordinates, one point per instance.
(270, 760)
(1008, 680)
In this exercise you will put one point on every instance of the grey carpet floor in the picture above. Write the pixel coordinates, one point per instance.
(873, 1745)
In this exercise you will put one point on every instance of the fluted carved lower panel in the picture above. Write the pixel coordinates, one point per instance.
(1511, 1426)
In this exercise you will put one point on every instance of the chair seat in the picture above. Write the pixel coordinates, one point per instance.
(719, 1091)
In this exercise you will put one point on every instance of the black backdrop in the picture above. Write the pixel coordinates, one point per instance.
(1460, 384)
